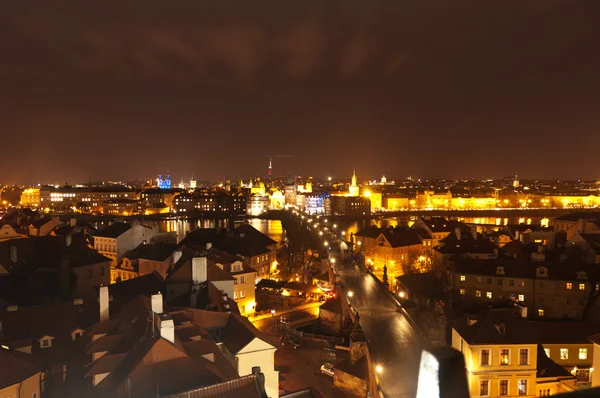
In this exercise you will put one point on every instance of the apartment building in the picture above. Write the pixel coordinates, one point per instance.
(550, 290)
(503, 359)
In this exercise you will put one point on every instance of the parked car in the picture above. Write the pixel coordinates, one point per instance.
(327, 369)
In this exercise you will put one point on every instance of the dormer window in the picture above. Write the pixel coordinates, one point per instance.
(77, 333)
(581, 275)
(500, 328)
(499, 270)
(46, 341)
(541, 272)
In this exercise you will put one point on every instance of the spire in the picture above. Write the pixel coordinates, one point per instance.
(270, 166)
(354, 177)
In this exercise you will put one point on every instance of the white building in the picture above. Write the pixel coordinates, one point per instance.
(118, 238)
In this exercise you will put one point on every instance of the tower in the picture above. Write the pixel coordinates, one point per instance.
(516, 181)
(193, 181)
(270, 167)
(353, 190)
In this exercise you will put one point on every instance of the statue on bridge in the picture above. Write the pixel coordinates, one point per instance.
(385, 277)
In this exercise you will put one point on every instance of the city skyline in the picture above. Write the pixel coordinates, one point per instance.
(468, 90)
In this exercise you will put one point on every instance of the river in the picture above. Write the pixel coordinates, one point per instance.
(274, 230)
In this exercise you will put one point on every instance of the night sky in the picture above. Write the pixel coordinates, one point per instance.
(98, 90)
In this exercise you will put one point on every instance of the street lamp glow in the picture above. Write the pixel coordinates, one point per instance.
(350, 293)
(332, 261)
(321, 233)
(379, 369)
(401, 294)
(325, 243)
(334, 225)
(343, 233)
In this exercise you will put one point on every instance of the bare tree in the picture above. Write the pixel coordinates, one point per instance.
(307, 265)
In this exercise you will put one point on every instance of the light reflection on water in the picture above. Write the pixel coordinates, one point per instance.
(274, 229)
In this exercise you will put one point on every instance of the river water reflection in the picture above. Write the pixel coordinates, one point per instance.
(274, 229)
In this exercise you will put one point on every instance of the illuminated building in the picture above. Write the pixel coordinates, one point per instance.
(353, 190)
(395, 202)
(516, 183)
(258, 187)
(350, 206)
(316, 203)
(396, 248)
(290, 191)
(383, 180)
(257, 205)
(163, 183)
(118, 238)
(207, 201)
(193, 182)
(270, 167)
(276, 201)
(503, 358)
(376, 199)
(86, 200)
(158, 198)
(306, 188)
(30, 197)
(121, 207)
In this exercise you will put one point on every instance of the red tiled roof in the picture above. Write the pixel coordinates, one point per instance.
(14, 368)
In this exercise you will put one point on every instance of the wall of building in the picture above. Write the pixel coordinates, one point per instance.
(260, 353)
(89, 278)
(25, 389)
(496, 372)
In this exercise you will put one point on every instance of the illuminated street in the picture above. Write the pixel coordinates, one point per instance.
(393, 343)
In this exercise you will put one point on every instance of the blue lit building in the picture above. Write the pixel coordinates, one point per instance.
(163, 183)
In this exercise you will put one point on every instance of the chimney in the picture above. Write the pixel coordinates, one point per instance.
(457, 232)
(517, 235)
(474, 233)
(199, 270)
(103, 303)
(471, 321)
(176, 256)
(167, 327)
(157, 303)
(208, 245)
(68, 240)
(73, 222)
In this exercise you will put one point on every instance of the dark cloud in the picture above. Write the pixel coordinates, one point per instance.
(428, 88)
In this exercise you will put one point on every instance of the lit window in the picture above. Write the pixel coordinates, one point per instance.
(462, 292)
(504, 356)
(488, 295)
(540, 312)
(503, 387)
(583, 353)
(569, 286)
(477, 293)
(478, 279)
(463, 278)
(582, 286)
(564, 353)
(547, 351)
(521, 297)
(523, 387)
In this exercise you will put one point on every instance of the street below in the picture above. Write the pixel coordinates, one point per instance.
(393, 343)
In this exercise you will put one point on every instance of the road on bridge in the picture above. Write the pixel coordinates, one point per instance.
(393, 343)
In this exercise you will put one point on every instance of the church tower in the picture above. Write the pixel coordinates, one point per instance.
(354, 190)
